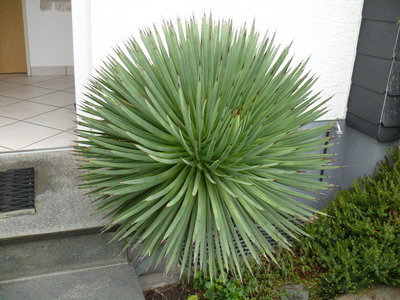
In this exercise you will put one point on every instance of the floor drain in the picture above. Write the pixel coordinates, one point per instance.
(17, 192)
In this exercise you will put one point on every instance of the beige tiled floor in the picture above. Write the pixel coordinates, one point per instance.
(36, 112)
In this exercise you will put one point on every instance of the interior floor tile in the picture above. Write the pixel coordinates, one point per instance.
(62, 119)
(21, 134)
(59, 99)
(25, 92)
(24, 109)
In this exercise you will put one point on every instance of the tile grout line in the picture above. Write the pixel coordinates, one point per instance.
(40, 150)
(24, 120)
(42, 125)
(14, 121)
(57, 108)
(55, 77)
(40, 140)
(30, 100)
(37, 141)
(11, 103)
(6, 148)
(7, 89)
(52, 91)
(50, 104)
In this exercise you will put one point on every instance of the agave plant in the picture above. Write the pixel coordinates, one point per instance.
(193, 141)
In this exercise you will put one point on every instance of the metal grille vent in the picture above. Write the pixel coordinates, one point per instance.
(270, 240)
(17, 192)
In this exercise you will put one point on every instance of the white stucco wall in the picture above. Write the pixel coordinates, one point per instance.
(327, 30)
(49, 36)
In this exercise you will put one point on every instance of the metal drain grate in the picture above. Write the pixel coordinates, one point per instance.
(17, 192)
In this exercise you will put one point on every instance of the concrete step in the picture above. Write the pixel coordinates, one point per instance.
(117, 282)
(57, 252)
(37, 255)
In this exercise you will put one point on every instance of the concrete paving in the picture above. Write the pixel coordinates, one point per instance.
(379, 292)
(36, 257)
(57, 252)
(117, 282)
(60, 205)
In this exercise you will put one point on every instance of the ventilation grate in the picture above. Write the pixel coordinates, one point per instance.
(17, 192)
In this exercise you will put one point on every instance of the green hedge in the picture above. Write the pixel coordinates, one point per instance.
(354, 247)
(358, 244)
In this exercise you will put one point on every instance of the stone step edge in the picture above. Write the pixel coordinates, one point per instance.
(157, 280)
(54, 235)
(61, 272)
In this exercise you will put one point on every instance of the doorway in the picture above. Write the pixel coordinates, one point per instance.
(12, 45)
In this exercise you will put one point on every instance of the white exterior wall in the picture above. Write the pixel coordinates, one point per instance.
(327, 30)
(49, 36)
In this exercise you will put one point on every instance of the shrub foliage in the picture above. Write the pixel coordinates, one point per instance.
(195, 141)
(359, 244)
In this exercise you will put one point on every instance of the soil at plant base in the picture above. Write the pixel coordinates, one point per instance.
(169, 292)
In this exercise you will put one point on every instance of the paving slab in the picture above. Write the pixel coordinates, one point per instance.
(117, 282)
(60, 204)
(378, 292)
(42, 256)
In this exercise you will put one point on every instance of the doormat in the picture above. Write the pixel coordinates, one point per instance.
(17, 192)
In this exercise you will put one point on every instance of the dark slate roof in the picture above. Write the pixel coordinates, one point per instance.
(381, 10)
(374, 100)
(377, 38)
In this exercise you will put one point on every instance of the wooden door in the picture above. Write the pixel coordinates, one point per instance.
(12, 41)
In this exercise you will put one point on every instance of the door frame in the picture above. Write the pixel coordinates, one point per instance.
(26, 37)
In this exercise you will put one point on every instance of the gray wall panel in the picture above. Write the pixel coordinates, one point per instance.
(355, 153)
(360, 155)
